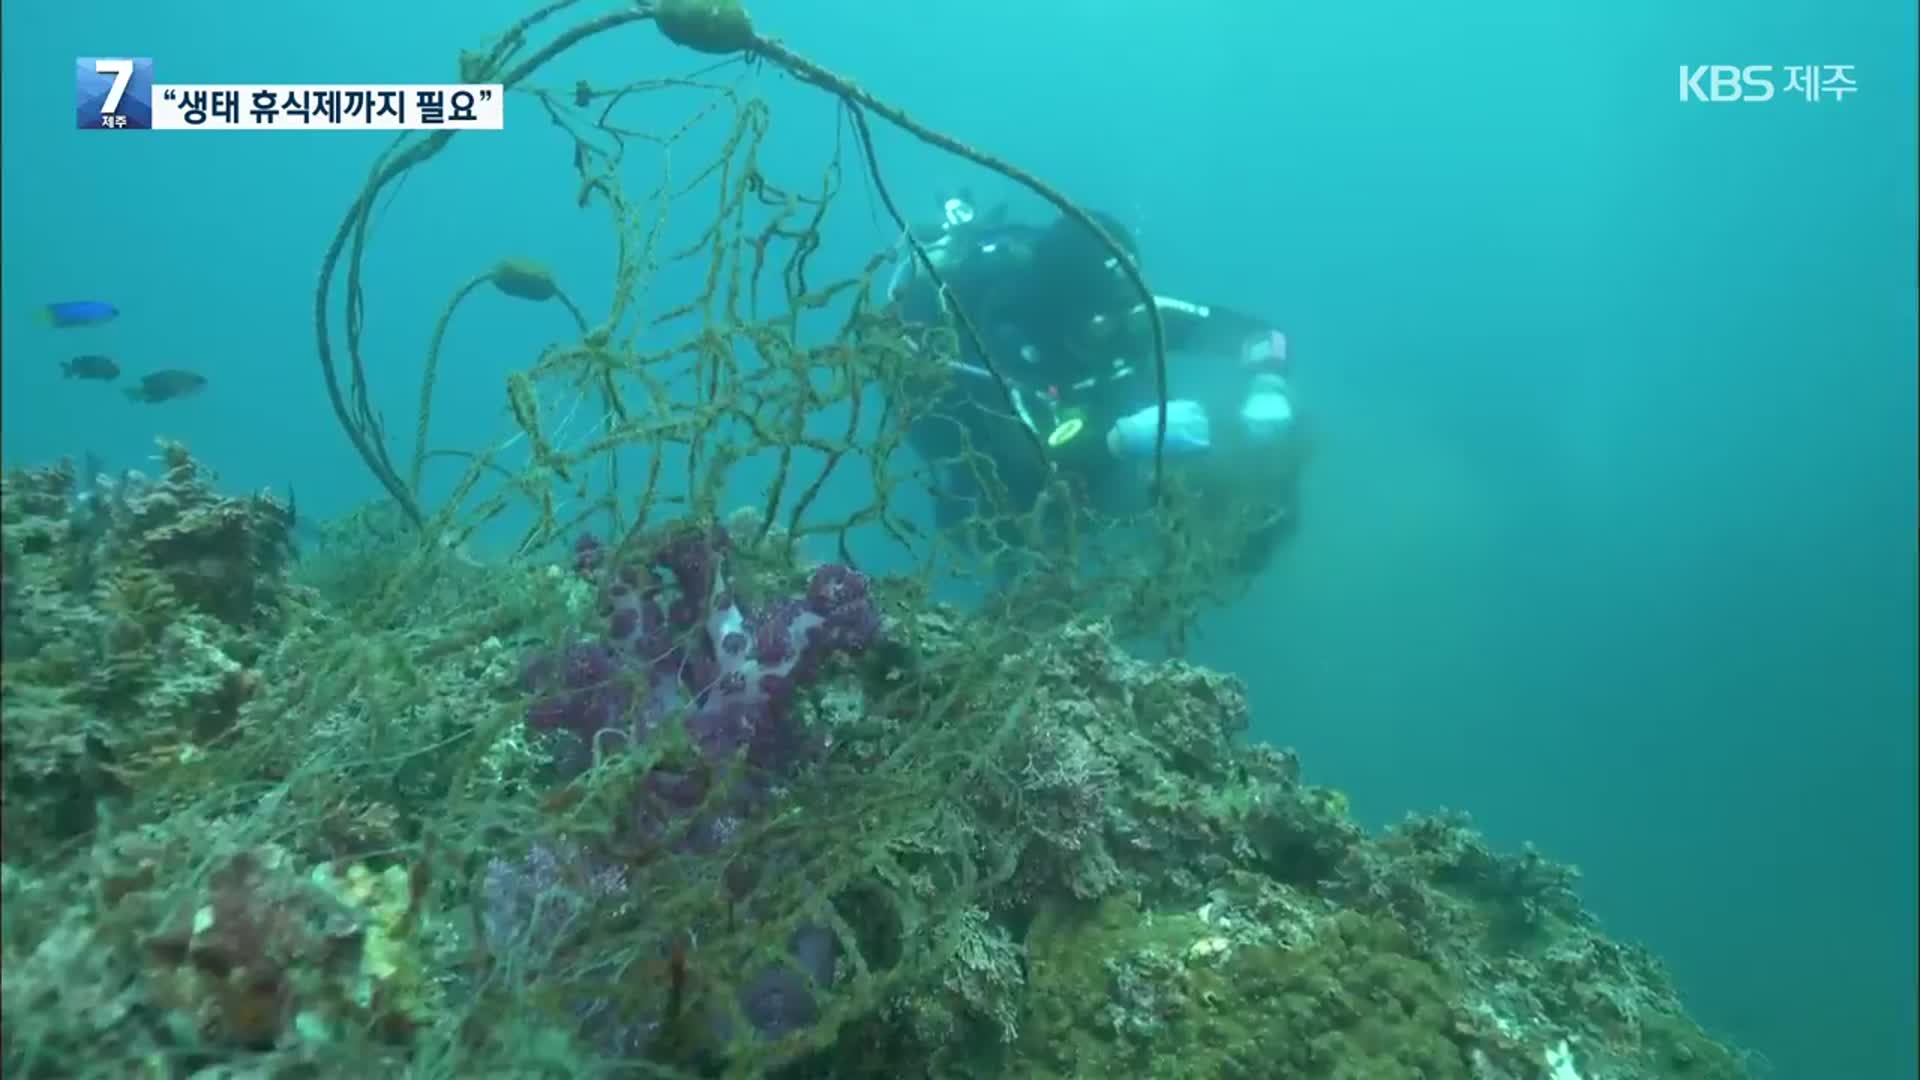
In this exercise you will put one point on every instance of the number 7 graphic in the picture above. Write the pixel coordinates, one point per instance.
(122, 72)
(113, 93)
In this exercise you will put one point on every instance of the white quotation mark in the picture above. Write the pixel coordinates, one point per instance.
(122, 72)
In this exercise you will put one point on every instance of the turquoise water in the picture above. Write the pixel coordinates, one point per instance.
(1611, 540)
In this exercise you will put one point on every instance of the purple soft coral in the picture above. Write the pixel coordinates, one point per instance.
(680, 641)
(734, 669)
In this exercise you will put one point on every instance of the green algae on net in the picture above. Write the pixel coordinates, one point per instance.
(705, 26)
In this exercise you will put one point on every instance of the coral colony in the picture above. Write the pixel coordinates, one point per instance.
(681, 643)
(704, 834)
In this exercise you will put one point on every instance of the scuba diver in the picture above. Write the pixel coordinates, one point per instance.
(1069, 333)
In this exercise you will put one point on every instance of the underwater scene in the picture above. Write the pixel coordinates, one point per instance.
(854, 541)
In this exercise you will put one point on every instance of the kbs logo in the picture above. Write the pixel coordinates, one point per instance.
(1756, 82)
(1726, 82)
(113, 93)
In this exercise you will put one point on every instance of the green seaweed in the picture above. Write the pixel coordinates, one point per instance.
(1124, 993)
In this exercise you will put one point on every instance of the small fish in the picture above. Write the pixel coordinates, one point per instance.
(70, 313)
(90, 366)
(167, 385)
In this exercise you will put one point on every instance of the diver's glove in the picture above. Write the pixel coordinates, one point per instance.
(1188, 432)
(1266, 414)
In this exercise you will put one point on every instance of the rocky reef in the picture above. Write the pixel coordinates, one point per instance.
(137, 611)
(254, 829)
(1185, 905)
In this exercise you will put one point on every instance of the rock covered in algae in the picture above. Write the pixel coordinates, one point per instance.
(1183, 905)
(1052, 860)
(183, 944)
(137, 611)
(1239, 988)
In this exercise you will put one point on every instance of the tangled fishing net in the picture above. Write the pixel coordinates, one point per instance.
(692, 775)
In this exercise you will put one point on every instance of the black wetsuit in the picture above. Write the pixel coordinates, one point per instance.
(1068, 331)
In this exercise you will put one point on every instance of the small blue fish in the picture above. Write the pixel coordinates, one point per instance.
(71, 313)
